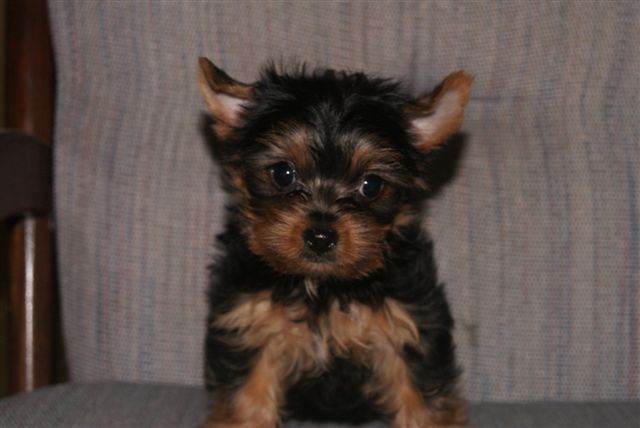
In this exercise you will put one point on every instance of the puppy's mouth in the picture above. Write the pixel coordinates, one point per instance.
(320, 259)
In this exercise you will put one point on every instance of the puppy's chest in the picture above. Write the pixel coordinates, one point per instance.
(310, 340)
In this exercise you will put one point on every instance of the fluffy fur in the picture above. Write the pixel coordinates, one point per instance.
(362, 330)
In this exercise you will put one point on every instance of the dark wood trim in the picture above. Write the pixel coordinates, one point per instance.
(30, 296)
(29, 107)
(25, 175)
(29, 69)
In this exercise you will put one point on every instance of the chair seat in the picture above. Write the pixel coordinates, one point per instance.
(114, 404)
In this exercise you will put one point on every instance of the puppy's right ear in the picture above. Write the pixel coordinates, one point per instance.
(224, 96)
(437, 115)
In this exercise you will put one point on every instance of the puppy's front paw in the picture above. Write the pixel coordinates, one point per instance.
(216, 424)
(424, 417)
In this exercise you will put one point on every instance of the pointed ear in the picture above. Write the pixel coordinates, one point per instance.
(434, 117)
(224, 96)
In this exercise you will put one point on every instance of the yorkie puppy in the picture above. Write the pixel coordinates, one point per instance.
(324, 303)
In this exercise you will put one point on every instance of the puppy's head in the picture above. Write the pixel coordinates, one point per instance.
(325, 164)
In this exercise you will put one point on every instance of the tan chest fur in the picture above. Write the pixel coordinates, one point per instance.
(291, 348)
(286, 333)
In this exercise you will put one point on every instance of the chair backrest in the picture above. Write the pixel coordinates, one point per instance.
(537, 236)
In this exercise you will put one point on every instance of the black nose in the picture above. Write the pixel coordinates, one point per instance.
(320, 240)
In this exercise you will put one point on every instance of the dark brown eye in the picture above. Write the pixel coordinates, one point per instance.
(283, 174)
(371, 186)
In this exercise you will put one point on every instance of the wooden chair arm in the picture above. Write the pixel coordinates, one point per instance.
(25, 175)
(30, 282)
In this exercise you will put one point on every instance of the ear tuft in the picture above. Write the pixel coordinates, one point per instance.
(225, 97)
(436, 116)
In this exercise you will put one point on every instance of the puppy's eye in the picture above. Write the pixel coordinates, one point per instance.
(371, 186)
(283, 174)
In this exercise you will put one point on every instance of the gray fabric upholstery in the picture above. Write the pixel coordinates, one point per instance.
(556, 414)
(538, 235)
(139, 405)
(115, 405)
(105, 405)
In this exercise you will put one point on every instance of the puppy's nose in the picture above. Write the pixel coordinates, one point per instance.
(320, 239)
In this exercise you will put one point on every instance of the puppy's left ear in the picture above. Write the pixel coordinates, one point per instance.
(225, 97)
(434, 117)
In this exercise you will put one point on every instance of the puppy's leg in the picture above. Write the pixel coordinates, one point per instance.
(399, 396)
(278, 350)
(255, 404)
(410, 367)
